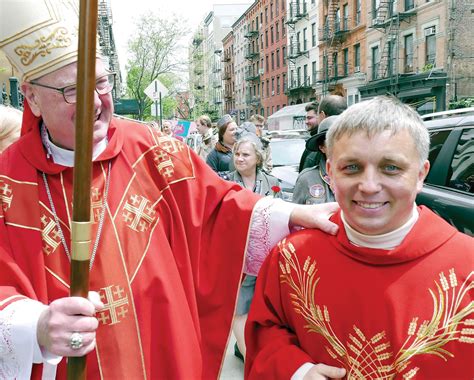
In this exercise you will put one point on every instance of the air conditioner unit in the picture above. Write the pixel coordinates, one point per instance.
(273, 93)
(260, 71)
(430, 31)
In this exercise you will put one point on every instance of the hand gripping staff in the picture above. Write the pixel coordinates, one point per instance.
(81, 222)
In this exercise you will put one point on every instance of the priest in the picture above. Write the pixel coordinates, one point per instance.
(391, 295)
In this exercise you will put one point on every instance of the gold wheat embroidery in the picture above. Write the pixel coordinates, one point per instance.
(372, 357)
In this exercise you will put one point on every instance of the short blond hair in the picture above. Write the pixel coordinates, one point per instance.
(10, 126)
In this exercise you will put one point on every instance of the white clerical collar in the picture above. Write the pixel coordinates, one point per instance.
(65, 157)
(388, 241)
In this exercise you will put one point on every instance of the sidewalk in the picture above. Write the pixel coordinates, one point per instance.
(233, 368)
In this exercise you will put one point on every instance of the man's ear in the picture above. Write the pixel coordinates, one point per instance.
(31, 98)
(425, 168)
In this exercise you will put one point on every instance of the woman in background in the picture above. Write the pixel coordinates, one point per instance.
(221, 155)
(248, 162)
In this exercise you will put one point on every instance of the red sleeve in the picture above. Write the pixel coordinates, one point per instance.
(273, 350)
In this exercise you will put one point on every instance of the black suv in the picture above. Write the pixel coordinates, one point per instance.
(449, 186)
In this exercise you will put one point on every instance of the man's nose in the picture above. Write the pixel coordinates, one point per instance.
(370, 181)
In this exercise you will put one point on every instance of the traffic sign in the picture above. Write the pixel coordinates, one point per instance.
(154, 89)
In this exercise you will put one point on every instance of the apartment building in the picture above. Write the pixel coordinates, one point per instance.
(342, 46)
(228, 73)
(240, 64)
(419, 51)
(302, 57)
(253, 55)
(273, 63)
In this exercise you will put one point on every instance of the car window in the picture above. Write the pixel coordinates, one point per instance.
(461, 174)
(437, 140)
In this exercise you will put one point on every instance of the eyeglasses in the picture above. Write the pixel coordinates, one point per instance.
(103, 85)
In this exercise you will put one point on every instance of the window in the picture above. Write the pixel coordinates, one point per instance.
(268, 87)
(283, 49)
(273, 86)
(273, 61)
(266, 15)
(298, 76)
(337, 21)
(375, 62)
(357, 56)
(283, 30)
(277, 56)
(346, 61)
(313, 72)
(297, 47)
(375, 8)
(313, 34)
(277, 32)
(266, 38)
(335, 59)
(267, 66)
(462, 166)
(437, 140)
(409, 4)
(345, 15)
(408, 56)
(357, 12)
(271, 11)
(284, 82)
(305, 75)
(271, 35)
(277, 9)
(430, 46)
(305, 42)
(278, 85)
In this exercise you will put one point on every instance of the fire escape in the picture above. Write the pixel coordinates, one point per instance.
(252, 71)
(333, 33)
(296, 48)
(387, 20)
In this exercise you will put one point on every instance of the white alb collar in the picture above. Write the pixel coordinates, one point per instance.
(65, 157)
(387, 241)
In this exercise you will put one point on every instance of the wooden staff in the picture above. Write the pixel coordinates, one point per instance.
(81, 218)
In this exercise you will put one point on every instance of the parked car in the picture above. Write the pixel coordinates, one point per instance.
(286, 153)
(449, 186)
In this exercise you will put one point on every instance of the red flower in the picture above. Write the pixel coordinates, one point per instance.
(276, 190)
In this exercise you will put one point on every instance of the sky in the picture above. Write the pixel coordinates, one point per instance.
(125, 13)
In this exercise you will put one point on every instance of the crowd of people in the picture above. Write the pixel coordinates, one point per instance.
(188, 246)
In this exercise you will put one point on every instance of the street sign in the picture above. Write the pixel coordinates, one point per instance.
(154, 88)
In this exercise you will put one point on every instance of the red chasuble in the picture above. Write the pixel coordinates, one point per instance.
(407, 313)
(169, 258)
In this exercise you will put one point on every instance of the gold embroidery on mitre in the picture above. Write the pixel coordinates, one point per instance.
(116, 305)
(368, 358)
(50, 235)
(59, 38)
(6, 195)
(138, 213)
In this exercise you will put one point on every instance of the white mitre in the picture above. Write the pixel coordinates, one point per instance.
(39, 36)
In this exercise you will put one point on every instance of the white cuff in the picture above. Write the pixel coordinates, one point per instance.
(280, 212)
(302, 371)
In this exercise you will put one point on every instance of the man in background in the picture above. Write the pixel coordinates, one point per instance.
(330, 105)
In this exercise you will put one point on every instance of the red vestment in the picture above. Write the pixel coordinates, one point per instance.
(170, 256)
(399, 314)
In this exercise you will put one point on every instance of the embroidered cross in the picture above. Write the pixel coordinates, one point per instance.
(115, 305)
(138, 214)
